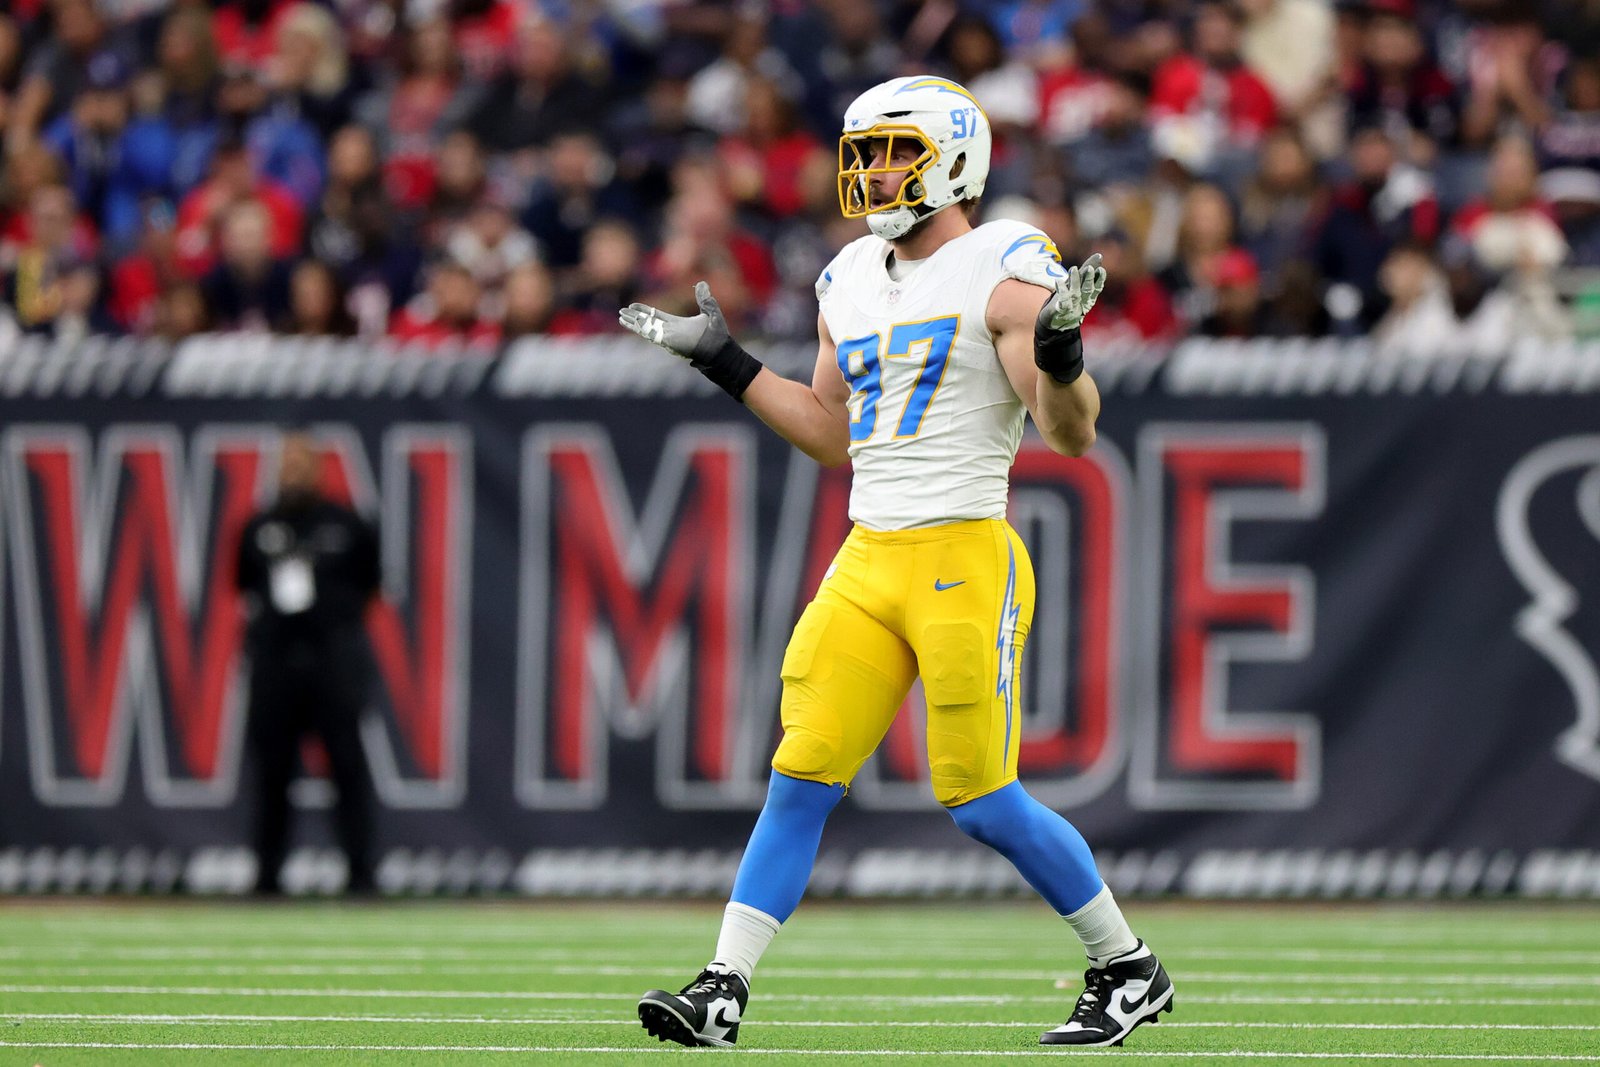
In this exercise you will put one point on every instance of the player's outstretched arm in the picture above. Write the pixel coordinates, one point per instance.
(701, 339)
(1036, 334)
(814, 419)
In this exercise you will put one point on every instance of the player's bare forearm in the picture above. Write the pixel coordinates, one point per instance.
(798, 415)
(1066, 414)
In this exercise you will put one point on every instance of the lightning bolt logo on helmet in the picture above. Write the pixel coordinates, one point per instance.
(949, 133)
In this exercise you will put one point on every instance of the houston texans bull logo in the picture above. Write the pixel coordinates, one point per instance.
(1543, 623)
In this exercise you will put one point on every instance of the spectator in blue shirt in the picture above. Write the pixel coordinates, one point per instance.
(1117, 151)
(112, 164)
(283, 145)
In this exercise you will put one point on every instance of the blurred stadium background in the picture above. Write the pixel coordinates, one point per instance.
(1318, 616)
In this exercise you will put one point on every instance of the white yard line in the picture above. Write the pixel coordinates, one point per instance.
(858, 1053)
(1494, 959)
(1064, 973)
(1562, 932)
(398, 927)
(780, 998)
(481, 1020)
(282, 950)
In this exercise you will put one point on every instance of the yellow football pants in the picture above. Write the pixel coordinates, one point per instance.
(950, 603)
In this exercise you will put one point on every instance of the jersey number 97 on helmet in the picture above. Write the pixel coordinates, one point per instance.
(948, 138)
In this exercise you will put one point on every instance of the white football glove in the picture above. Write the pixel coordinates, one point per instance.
(1075, 294)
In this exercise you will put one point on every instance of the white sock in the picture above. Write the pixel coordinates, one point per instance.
(1102, 929)
(746, 933)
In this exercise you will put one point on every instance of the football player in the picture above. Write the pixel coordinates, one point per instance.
(937, 338)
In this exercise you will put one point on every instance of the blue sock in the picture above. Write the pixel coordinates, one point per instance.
(783, 847)
(1043, 846)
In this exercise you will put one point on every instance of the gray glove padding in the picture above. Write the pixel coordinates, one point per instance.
(1057, 339)
(701, 339)
(1075, 294)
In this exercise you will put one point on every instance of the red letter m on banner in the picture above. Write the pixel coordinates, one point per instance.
(631, 626)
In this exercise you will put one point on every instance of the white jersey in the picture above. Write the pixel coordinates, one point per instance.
(934, 422)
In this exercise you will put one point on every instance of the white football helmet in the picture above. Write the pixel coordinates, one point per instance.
(952, 132)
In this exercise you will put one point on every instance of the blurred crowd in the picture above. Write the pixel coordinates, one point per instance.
(1427, 173)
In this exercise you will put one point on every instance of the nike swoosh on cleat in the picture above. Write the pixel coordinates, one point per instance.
(722, 1020)
(1129, 1005)
(942, 586)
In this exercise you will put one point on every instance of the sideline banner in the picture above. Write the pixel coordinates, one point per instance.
(1310, 620)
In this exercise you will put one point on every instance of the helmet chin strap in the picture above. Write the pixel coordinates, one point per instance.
(879, 222)
(892, 225)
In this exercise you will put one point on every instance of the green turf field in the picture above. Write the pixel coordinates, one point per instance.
(175, 983)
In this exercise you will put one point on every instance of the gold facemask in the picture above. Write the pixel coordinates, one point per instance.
(856, 170)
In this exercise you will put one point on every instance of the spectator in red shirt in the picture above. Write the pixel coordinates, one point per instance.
(485, 33)
(702, 241)
(1237, 284)
(1076, 97)
(413, 115)
(448, 309)
(1212, 86)
(767, 157)
(247, 30)
(1511, 226)
(232, 182)
(140, 278)
(1133, 305)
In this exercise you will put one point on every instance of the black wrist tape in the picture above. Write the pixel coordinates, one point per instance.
(1059, 353)
(729, 367)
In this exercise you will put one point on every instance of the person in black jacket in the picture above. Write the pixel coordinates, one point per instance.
(308, 568)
